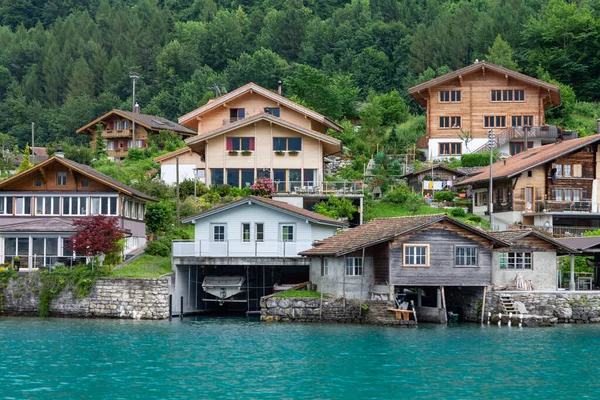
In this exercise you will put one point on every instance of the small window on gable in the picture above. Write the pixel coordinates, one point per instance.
(529, 174)
(85, 183)
(61, 178)
(37, 183)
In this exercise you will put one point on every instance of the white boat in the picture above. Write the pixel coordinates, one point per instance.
(223, 287)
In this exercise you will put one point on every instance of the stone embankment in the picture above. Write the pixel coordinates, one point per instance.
(109, 298)
(277, 309)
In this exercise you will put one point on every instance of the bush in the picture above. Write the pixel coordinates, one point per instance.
(458, 212)
(160, 247)
(477, 159)
(397, 195)
(443, 196)
(336, 208)
(413, 202)
(474, 218)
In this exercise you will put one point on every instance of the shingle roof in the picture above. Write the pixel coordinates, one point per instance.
(153, 122)
(381, 230)
(581, 243)
(434, 167)
(530, 159)
(301, 212)
(85, 170)
(555, 90)
(513, 236)
(175, 153)
(251, 86)
(41, 225)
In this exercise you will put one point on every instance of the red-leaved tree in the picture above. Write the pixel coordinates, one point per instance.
(95, 235)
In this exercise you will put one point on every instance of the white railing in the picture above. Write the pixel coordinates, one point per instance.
(236, 248)
(326, 187)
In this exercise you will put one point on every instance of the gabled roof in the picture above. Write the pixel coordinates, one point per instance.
(384, 229)
(253, 87)
(83, 170)
(530, 159)
(269, 203)
(172, 154)
(152, 122)
(265, 117)
(434, 167)
(581, 243)
(513, 236)
(41, 225)
(476, 66)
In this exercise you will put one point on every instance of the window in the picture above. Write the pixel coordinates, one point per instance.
(61, 178)
(508, 95)
(558, 169)
(141, 211)
(85, 183)
(245, 232)
(324, 266)
(104, 204)
(287, 233)
(125, 124)
(37, 183)
(310, 177)
(576, 194)
(449, 122)
(567, 194)
(289, 144)
(416, 255)
(557, 194)
(216, 176)
(519, 147)
(260, 232)
(238, 143)
(95, 205)
(527, 120)
(295, 177)
(354, 266)
(6, 205)
(274, 111)
(519, 95)
(110, 145)
(139, 144)
(233, 177)
(129, 144)
(47, 205)
(279, 179)
(497, 121)
(529, 174)
(218, 233)
(567, 171)
(247, 178)
(263, 173)
(480, 198)
(450, 149)
(449, 96)
(515, 260)
(112, 202)
(465, 255)
(23, 205)
(516, 120)
(577, 171)
(134, 209)
(118, 125)
(236, 114)
(496, 95)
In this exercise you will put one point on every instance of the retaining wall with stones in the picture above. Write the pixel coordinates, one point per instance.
(109, 298)
(276, 309)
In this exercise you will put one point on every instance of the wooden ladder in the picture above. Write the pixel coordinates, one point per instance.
(508, 305)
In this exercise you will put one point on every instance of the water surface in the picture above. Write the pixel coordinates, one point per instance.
(220, 358)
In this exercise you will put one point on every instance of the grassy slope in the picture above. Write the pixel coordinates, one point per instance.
(386, 210)
(146, 266)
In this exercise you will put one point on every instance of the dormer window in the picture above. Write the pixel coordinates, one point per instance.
(61, 178)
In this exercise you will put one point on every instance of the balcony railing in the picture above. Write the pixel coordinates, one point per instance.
(518, 132)
(560, 231)
(327, 187)
(115, 133)
(231, 120)
(236, 248)
(583, 205)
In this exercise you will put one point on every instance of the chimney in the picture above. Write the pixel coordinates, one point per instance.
(136, 108)
(59, 151)
(279, 87)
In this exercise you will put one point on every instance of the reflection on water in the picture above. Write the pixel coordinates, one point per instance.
(242, 358)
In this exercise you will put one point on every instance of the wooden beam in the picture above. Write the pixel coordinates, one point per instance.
(460, 80)
(506, 77)
(483, 71)
(43, 173)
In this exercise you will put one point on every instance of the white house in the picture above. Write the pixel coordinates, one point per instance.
(191, 166)
(242, 250)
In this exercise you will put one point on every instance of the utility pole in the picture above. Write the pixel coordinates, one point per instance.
(32, 142)
(134, 76)
(490, 197)
(177, 183)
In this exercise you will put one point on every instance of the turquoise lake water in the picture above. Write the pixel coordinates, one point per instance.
(219, 358)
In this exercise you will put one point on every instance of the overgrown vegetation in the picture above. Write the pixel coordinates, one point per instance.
(299, 293)
(146, 266)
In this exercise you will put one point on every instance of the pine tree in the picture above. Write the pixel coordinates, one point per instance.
(100, 149)
(502, 54)
(26, 163)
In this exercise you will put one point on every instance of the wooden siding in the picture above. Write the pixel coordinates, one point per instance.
(476, 103)
(48, 178)
(381, 270)
(441, 270)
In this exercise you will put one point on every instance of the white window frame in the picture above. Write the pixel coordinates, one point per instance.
(141, 210)
(134, 209)
(353, 266)
(99, 201)
(61, 178)
(110, 145)
(249, 232)
(516, 260)
(465, 259)
(16, 210)
(256, 238)
(127, 208)
(45, 199)
(405, 256)
(213, 233)
(138, 144)
(281, 233)
(325, 266)
(567, 170)
(3, 200)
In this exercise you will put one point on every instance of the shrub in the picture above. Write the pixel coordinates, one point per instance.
(336, 208)
(413, 202)
(443, 196)
(476, 159)
(160, 247)
(458, 212)
(186, 188)
(263, 187)
(474, 218)
(397, 195)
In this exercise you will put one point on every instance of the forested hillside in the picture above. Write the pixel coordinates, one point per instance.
(63, 63)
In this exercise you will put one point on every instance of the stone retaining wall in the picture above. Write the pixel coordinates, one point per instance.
(276, 309)
(109, 298)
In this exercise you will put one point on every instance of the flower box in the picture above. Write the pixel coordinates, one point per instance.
(246, 152)
(279, 152)
(233, 152)
(293, 152)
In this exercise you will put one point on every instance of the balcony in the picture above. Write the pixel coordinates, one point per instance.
(325, 188)
(236, 248)
(125, 133)
(231, 120)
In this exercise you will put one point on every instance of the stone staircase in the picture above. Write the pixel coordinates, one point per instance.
(508, 305)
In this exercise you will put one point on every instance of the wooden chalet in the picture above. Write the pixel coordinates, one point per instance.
(438, 172)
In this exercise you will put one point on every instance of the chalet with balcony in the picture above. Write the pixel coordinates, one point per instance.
(480, 97)
(37, 208)
(117, 130)
(244, 250)
(554, 186)
(436, 257)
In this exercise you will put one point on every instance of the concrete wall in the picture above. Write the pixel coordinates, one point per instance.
(542, 275)
(109, 298)
(336, 283)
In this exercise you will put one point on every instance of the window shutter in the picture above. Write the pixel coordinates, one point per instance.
(241, 113)
(229, 143)
(111, 125)
(251, 144)
(577, 171)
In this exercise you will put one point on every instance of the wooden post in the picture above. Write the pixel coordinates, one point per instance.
(444, 305)
(483, 304)
(572, 280)
(414, 309)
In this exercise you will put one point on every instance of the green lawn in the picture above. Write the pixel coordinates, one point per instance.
(146, 266)
(386, 210)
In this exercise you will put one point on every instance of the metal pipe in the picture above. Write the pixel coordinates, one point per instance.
(181, 309)
(490, 197)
